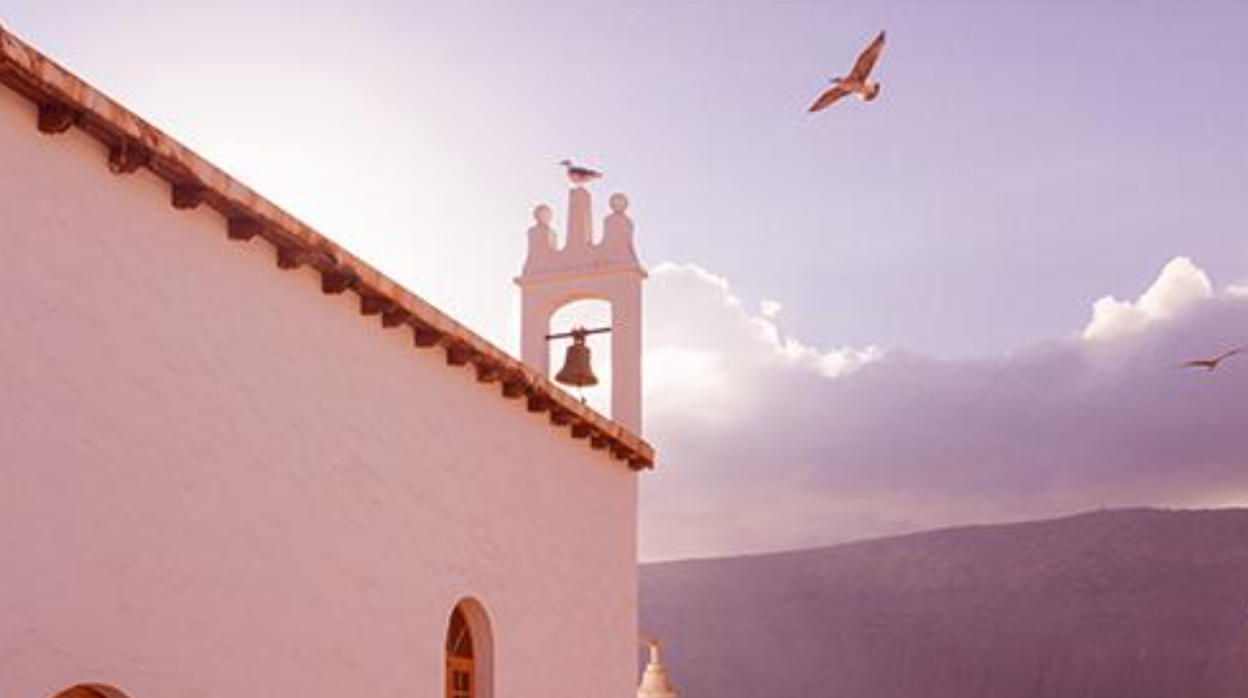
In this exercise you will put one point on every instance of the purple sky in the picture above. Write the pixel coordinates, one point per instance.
(1024, 160)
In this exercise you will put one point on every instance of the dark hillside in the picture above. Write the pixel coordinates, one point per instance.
(1132, 603)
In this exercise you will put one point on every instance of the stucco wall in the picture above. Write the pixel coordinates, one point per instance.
(216, 481)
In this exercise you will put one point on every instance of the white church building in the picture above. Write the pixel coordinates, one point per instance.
(238, 462)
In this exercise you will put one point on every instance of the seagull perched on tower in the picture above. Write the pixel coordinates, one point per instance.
(580, 175)
(858, 81)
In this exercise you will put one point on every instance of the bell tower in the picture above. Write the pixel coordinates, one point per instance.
(585, 268)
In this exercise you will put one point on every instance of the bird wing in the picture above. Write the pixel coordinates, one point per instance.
(866, 60)
(828, 98)
(1229, 354)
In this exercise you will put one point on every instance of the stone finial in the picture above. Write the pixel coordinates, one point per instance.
(619, 203)
(542, 239)
(542, 215)
(542, 233)
(617, 221)
(617, 236)
(654, 682)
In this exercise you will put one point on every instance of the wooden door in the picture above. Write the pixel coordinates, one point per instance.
(460, 675)
(459, 678)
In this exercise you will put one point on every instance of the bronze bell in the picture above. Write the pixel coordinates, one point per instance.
(576, 367)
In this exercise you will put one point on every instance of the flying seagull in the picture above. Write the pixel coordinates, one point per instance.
(1211, 364)
(578, 174)
(857, 82)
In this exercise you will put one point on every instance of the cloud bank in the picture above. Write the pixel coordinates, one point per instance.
(768, 443)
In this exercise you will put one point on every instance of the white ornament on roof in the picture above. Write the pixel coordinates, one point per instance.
(654, 682)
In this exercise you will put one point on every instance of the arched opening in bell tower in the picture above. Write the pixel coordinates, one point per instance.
(588, 313)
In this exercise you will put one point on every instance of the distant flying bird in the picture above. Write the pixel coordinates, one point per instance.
(1211, 364)
(578, 174)
(857, 82)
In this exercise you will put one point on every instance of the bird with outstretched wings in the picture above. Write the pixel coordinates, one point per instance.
(1215, 362)
(858, 82)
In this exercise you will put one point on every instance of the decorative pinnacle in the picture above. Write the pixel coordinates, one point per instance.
(543, 215)
(654, 683)
(619, 203)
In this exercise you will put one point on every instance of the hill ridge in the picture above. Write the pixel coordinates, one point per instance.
(1135, 602)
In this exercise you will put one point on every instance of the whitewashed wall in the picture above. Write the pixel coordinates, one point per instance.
(217, 482)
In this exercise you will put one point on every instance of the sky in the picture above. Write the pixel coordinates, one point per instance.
(880, 318)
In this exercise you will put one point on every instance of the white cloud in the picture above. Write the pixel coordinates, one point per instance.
(1179, 285)
(672, 373)
(766, 442)
(694, 312)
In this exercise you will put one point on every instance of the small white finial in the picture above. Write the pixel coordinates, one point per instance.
(541, 238)
(543, 215)
(619, 203)
(654, 682)
(617, 236)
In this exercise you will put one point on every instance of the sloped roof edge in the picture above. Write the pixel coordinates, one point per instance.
(65, 101)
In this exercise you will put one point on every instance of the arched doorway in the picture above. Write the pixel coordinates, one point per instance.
(469, 652)
(461, 671)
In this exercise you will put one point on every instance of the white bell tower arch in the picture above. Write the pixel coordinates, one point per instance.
(586, 269)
